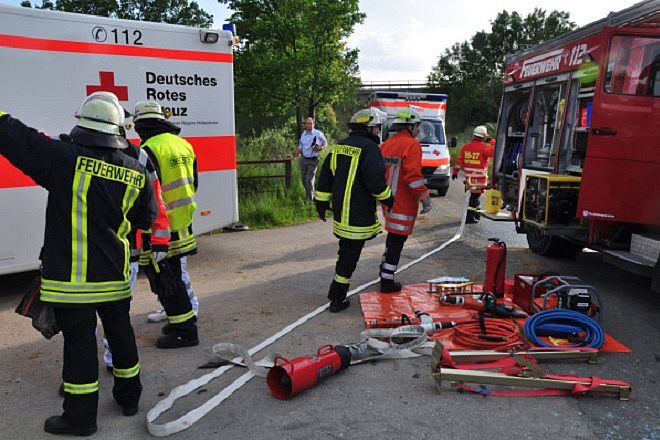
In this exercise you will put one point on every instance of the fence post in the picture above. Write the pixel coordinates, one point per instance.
(287, 174)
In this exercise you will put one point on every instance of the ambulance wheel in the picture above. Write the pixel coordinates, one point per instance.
(443, 191)
(551, 245)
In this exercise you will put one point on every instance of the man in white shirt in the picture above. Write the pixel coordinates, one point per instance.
(311, 142)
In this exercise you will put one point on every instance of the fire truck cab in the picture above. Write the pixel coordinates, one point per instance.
(432, 107)
(577, 157)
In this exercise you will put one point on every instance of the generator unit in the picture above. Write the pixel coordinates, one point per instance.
(550, 199)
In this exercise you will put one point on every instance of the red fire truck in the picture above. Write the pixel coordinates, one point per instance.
(577, 157)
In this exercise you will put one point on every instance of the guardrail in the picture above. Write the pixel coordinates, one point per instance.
(286, 176)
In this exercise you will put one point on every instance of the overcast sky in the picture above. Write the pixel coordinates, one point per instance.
(402, 39)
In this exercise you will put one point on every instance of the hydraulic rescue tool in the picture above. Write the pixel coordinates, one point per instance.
(495, 267)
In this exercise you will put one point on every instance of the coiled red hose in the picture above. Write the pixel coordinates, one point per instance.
(500, 333)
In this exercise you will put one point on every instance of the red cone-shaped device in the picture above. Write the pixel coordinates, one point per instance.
(289, 377)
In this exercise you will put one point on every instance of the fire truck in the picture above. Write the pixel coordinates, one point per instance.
(577, 158)
(432, 107)
(51, 60)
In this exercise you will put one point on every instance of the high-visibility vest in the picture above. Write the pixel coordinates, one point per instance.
(175, 158)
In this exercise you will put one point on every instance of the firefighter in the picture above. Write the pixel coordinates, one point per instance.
(95, 194)
(353, 179)
(176, 166)
(402, 153)
(473, 158)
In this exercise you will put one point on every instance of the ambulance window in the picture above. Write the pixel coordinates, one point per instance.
(548, 105)
(632, 65)
(431, 132)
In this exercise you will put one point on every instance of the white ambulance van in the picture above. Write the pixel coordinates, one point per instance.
(51, 60)
(432, 107)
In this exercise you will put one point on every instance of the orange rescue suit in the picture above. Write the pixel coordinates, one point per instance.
(473, 158)
(403, 161)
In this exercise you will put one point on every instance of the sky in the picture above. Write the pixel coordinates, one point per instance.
(401, 40)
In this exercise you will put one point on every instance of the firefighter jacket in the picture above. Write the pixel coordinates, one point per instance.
(176, 166)
(403, 158)
(353, 178)
(157, 239)
(95, 196)
(473, 158)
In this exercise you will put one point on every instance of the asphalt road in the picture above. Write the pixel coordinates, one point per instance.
(252, 284)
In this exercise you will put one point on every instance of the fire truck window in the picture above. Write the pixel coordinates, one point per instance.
(547, 111)
(632, 65)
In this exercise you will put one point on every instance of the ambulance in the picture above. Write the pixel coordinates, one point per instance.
(432, 107)
(51, 60)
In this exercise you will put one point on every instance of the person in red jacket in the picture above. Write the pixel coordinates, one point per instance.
(473, 158)
(402, 153)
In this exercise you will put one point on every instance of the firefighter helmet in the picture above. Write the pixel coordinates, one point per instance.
(102, 112)
(369, 116)
(405, 117)
(480, 131)
(148, 110)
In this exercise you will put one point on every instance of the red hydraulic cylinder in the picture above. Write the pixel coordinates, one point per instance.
(495, 267)
(289, 377)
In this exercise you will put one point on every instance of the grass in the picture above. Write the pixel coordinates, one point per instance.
(267, 203)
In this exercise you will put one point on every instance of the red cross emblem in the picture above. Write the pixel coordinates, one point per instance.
(107, 84)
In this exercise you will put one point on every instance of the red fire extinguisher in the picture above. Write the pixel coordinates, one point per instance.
(495, 267)
(289, 377)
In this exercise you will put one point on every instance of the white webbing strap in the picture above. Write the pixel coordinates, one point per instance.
(187, 420)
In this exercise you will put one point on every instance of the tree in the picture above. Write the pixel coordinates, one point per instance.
(293, 59)
(471, 72)
(161, 11)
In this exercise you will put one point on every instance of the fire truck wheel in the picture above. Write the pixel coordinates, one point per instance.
(551, 246)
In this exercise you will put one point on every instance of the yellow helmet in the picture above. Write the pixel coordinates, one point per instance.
(410, 116)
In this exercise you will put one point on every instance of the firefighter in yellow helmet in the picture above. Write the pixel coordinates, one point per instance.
(95, 194)
(352, 181)
(176, 165)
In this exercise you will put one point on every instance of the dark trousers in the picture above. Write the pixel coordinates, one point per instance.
(348, 256)
(307, 173)
(172, 293)
(80, 368)
(393, 247)
(473, 205)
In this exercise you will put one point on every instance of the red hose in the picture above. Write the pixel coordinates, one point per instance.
(500, 333)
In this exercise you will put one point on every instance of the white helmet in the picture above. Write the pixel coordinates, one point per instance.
(102, 112)
(480, 131)
(148, 110)
(369, 116)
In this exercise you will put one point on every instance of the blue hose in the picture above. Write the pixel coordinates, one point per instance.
(593, 338)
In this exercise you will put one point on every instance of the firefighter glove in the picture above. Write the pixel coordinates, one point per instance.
(159, 256)
(321, 207)
(389, 202)
(426, 205)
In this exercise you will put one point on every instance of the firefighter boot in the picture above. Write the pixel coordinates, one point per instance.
(182, 335)
(389, 286)
(337, 296)
(59, 425)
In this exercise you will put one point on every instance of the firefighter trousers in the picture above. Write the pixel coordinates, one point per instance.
(168, 284)
(393, 248)
(80, 367)
(473, 205)
(348, 256)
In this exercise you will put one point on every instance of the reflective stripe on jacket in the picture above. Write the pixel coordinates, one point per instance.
(353, 179)
(403, 158)
(175, 157)
(95, 196)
